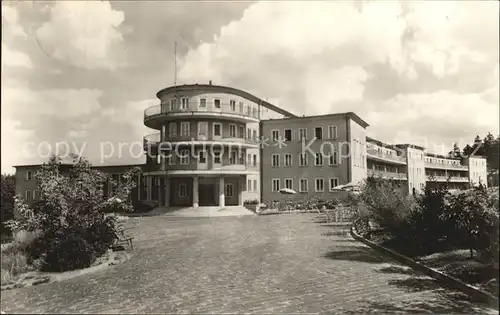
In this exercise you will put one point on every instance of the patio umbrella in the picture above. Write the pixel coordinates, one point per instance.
(287, 191)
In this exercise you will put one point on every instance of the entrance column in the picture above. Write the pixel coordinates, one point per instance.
(167, 191)
(222, 198)
(240, 191)
(150, 187)
(195, 192)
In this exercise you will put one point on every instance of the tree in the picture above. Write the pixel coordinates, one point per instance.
(70, 217)
(8, 183)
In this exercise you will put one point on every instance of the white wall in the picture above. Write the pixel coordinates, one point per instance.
(416, 170)
(477, 171)
(357, 152)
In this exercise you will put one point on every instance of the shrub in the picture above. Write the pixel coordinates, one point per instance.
(387, 204)
(13, 262)
(251, 202)
(70, 217)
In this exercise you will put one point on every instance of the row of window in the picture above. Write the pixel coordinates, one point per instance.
(302, 135)
(216, 103)
(234, 158)
(234, 130)
(304, 159)
(182, 190)
(319, 184)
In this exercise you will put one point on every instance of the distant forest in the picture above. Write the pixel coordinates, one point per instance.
(489, 147)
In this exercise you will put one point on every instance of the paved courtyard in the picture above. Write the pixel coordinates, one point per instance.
(253, 264)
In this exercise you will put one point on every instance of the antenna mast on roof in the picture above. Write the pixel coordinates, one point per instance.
(175, 63)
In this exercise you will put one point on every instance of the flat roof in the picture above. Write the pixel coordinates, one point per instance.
(226, 89)
(351, 115)
(92, 166)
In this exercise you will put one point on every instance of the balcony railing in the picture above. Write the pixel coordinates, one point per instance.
(387, 175)
(445, 178)
(193, 107)
(385, 156)
(446, 166)
(155, 138)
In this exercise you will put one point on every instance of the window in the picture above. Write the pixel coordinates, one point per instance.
(249, 159)
(318, 133)
(302, 134)
(249, 185)
(173, 104)
(202, 157)
(275, 160)
(303, 159)
(29, 175)
(184, 157)
(334, 182)
(254, 112)
(303, 185)
(184, 103)
(275, 185)
(172, 129)
(232, 131)
(170, 159)
(217, 129)
(217, 157)
(249, 110)
(242, 158)
(242, 132)
(249, 133)
(202, 128)
(182, 190)
(217, 103)
(320, 185)
(203, 103)
(232, 105)
(288, 134)
(232, 157)
(288, 183)
(275, 134)
(255, 160)
(332, 132)
(254, 134)
(241, 107)
(288, 159)
(319, 159)
(29, 195)
(229, 190)
(185, 129)
(333, 158)
(255, 185)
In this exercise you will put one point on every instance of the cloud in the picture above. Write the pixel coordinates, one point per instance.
(322, 57)
(85, 34)
(11, 17)
(12, 58)
(12, 148)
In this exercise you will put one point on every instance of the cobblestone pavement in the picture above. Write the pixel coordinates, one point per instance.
(261, 264)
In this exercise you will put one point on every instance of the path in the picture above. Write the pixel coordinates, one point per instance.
(260, 264)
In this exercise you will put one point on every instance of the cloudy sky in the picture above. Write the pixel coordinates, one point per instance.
(83, 72)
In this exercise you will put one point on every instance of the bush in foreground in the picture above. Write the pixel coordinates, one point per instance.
(70, 217)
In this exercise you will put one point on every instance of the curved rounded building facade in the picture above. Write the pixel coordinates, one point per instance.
(205, 152)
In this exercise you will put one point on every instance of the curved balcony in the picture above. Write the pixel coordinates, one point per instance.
(458, 167)
(380, 156)
(386, 175)
(155, 115)
(154, 139)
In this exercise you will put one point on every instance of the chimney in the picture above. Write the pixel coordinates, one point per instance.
(210, 82)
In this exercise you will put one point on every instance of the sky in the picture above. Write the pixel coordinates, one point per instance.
(82, 73)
